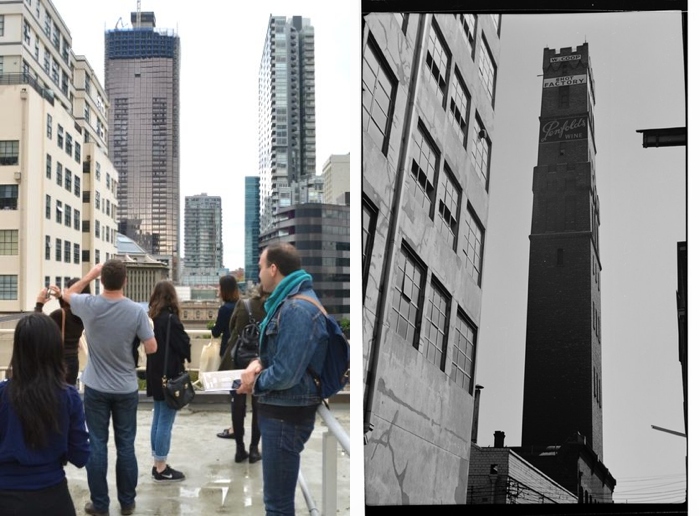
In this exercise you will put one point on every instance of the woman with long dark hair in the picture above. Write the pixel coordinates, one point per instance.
(164, 309)
(42, 424)
(229, 294)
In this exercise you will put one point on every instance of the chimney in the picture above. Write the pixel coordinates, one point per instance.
(475, 419)
(499, 438)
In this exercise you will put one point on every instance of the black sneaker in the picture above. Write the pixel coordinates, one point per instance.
(153, 472)
(254, 455)
(169, 475)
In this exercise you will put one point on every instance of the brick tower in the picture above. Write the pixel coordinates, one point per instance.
(562, 398)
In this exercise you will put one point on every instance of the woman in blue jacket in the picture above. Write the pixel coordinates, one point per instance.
(42, 424)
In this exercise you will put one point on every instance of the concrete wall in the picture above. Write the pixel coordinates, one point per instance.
(418, 449)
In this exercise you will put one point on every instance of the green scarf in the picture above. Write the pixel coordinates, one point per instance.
(280, 293)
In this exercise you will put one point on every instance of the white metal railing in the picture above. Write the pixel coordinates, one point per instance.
(335, 435)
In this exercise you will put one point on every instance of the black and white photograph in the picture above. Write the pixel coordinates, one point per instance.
(524, 235)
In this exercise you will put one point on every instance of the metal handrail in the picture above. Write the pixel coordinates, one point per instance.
(335, 435)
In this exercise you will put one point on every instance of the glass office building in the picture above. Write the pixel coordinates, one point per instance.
(142, 79)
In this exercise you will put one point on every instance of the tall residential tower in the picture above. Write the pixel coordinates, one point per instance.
(252, 228)
(203, 240)
(142, 80)
(286, 113)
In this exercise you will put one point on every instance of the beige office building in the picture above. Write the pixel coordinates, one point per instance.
(56, 216)
(336, 178)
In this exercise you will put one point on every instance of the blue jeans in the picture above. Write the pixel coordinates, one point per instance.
(161, 429)
(282, 443)
(99, 406)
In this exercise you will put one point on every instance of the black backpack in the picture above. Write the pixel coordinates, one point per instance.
(335, 371)
(246, 347)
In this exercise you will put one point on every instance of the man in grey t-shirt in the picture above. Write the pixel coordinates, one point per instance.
(112, 322)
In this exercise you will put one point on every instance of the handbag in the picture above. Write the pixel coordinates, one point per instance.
(178, 391)
(246, 347)
(210, 358)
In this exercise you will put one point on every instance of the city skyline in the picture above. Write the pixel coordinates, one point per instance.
(219, 118)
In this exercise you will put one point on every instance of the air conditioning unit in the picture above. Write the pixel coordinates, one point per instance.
(483, 134)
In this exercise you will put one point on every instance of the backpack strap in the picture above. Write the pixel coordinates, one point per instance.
(312, 301)
(246, 303)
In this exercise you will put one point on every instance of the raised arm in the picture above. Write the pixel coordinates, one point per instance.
(79, 285)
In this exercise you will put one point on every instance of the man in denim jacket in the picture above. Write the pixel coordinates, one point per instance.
(293, 338)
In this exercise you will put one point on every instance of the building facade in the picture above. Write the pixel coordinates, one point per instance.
(286, 113)
(321, 234)
(336, 178)
(142, 270)
(428, 128)
(563, 396)
(48, 211)
(252, 228)
(499, 475)
(203, 240)
(142, 81)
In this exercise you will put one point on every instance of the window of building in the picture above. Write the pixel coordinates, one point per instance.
(474, 248)
(48, 166)
(97, 170)
(69, 144)
(463, 352)
(438, 61)
(437, 316)
(49, 126)
(59, 211)
(459, 106)
(8, 197)
(496, 19)
(487, 69)
(469, 25)
(8, 286)
(369, 223)
(97, 256)
(78, 151)
(27, 31)
(66, 252)
(69, 180)
(76, 186)
(97, 228)
(48, 207)
(2, 24)
(481, 151)
(97, 200)
(59, 250)
(378, 85)
(76, 220)
(58, 282)
(59, 136)
(9, 240)
(47, 60)
(9, 152)
(76, 253)
(68, 216)
(407, 297)
(47, 247)
(449, 194)
(424, 160)
(59, 174)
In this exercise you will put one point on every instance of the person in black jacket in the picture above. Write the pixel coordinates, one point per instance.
(71, 327)
(239, 320)
(164, 309)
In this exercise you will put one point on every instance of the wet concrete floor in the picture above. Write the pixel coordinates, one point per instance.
(214, 483)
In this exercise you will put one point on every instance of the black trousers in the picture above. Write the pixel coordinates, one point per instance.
(238, 408)
(54, 500)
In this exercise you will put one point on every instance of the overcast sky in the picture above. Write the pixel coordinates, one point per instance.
(637, 66)
(221, 48)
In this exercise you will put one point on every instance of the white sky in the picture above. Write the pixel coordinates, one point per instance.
(637, 66)
(221, 46)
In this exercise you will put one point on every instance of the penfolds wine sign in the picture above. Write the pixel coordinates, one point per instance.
(563, 129)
